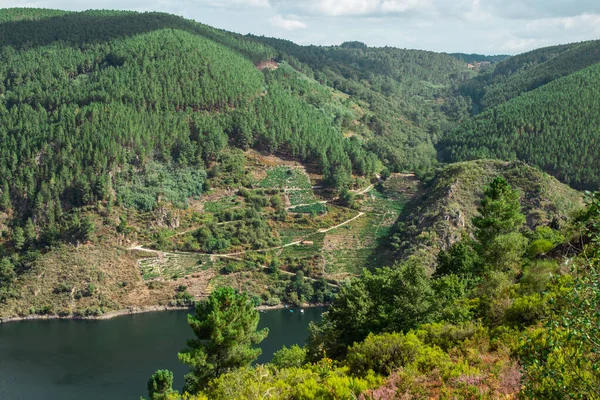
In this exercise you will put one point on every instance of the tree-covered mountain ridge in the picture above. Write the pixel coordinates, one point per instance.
(148, 160)
(141, 122)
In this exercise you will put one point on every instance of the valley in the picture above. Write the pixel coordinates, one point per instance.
(443, 206)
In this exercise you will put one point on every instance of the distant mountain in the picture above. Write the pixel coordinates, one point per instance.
(528, 71)
(477, 58)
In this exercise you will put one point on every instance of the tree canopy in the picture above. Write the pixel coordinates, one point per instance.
(225, 326)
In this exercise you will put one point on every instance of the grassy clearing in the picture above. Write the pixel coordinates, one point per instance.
(285, 177)
(173, 266)
(381, 203)
(305, 196)
(225, 203)
(313, 245)
(316, 208)
(348, 261)
(292, 234)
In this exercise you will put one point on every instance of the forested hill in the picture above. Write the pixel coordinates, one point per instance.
(555, 127)
(528, 71)
(419, 86)
(88, 98)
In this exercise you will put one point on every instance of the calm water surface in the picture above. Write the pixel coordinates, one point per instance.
(113, 359)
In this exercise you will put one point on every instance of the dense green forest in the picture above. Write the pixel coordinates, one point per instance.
(555, 127)
(528, 71)
(417, 85)
(148, 159)
(83, 109)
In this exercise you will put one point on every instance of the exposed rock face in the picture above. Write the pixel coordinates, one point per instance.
(164, 218)
(443, 215)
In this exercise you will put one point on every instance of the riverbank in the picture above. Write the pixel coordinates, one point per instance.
(280, 306)
(139, 310)
(108, 315)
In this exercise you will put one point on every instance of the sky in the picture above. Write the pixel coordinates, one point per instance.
(468, 26)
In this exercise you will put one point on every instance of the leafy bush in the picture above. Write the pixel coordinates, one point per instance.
(383, 353)
(525, 311)
(292, 357)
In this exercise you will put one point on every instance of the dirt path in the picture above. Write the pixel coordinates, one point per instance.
(232, 255)
(367, 189)
(141, 248)
(360, 214)
(228, 255)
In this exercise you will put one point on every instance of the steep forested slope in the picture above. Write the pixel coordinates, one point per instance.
(556, 127)
(528, 71)
(409, 96)
(88, 96)
(113, 123)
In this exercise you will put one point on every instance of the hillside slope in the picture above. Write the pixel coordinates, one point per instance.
(443, 214)
(146, 159)
(555, 127)
(528, 71)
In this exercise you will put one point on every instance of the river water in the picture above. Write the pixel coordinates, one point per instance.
(113, 359)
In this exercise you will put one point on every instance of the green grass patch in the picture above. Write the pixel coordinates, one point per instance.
(224, 203)
(348, 261)
(307, 249)
(305, 196)
(285, 177)
(318, 208)
(291, 234)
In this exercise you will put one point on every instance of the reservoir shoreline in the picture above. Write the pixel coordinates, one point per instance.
(113, 359)
(136, 310)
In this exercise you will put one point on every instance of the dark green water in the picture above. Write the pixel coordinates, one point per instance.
(113, 359)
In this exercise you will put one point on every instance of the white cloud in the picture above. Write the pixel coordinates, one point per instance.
(335, 8)
(514, 46)
(585, 22)
(540, 9)
(394, 6)
(236, 3)
(254, 3)
(280, 22)
(338, 8)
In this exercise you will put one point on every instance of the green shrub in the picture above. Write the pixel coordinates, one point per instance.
(525, 311)
(539, 246)
(383, 353)
(446, 335)
(292, 357)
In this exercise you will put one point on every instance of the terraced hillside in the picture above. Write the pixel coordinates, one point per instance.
(146, 159)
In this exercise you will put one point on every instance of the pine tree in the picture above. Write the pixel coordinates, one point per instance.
(5, 203)
(500, 212)
(19, 238)
(225, 328)
(160, 385)
(500, 242)
(30, 232)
